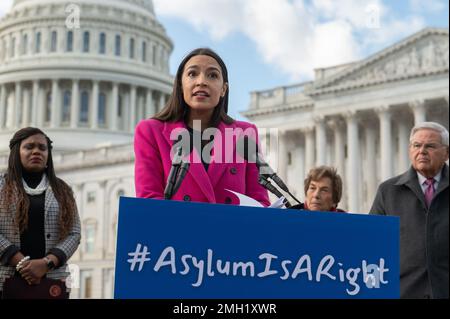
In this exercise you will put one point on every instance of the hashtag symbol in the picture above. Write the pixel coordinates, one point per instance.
(139, 257)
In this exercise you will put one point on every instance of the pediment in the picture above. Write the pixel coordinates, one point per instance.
(424, 53)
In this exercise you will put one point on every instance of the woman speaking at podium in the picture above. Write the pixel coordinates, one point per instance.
(198, 107)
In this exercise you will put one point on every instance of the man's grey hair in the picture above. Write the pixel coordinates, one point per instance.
(431, 126)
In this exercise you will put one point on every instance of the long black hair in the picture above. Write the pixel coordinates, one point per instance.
(176, 108)
(13, 193)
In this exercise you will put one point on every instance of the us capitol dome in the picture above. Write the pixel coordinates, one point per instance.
(85, 85)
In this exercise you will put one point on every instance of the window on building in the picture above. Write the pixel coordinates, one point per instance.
(90, 230)
(86, 40)
(67, 97)
(84, 107)
(154, 54)
(54, 41)
(37, 47)
(86, 284)
(69, 41)
(25, 44)
(48, 107)
(102, 109)
(118, 45)
(13, 48)
(144, 51)
(102, 43)
(91, 197)
(131, 48)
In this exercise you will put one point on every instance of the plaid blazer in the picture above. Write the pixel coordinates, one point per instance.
(9, 235)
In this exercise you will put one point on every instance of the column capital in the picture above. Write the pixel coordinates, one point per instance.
(319, 119)
(385, 108)
(417, 104)
(335, 123)
(307, 129)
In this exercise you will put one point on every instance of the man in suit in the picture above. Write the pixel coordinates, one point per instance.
(420, 197)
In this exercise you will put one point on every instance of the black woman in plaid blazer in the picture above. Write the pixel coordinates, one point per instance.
(39, 222)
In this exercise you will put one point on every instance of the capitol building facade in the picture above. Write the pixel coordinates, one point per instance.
(88, 86)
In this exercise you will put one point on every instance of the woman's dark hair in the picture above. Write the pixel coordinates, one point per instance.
(13, 194)
(176, 108)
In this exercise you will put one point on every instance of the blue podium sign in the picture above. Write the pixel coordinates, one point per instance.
(169, 249)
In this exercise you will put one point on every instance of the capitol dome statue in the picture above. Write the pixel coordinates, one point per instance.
(86, 84)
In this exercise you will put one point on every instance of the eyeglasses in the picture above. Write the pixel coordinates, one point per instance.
(427, 146)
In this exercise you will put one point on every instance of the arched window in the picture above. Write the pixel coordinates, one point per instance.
(86, 40)
(131, 48)
(69, 47)
(48, 107)
(37, 47)
(67, 97)
(102, 43)
(144, 51)
(84, 107)
(118, 45)
(12, 52)
(25, 44)
(102, 109)
(54, 41)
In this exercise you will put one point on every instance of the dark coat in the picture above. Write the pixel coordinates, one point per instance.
(423, 233)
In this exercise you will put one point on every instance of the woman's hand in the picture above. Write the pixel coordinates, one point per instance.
(34, 270)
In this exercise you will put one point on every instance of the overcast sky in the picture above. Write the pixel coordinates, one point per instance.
(269, 43)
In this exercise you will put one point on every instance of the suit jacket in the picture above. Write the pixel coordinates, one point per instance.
(423, 233)
(152, 145)
(9, 235)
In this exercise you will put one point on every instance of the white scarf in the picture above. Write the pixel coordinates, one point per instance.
(41, 188)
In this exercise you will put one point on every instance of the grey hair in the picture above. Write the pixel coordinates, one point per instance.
(432, 126)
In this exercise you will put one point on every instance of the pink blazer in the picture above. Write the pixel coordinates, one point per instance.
(152, 145)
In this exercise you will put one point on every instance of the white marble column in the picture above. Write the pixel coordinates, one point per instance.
(18, 110)
(321, 141)
(403, 146)
(162, 101)
(61, 41)
(298, 158)
(115, 106)
(384, 115)
(133, 106)
(354, 162)
(26, 108)
(2, 105)
(282, 155)
(149, 104)
(75, 103)
(371, 168)
(54, 119)
(309, 148)
(77, 39)
(419, 109)
(34, 103)
(339, 147)
(45, 40)
(94, 109)
(42, 107)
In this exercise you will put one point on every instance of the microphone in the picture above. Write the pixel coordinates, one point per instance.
(181, 174)
(265, 171)
(176, 163)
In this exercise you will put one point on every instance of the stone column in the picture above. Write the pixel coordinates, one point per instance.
(133, 92)
(35, 104)
(75, 104)
(54, 119)
(18, 105)
(354, 162)
(94, 109)
(321, 141)
(282, 155)
(162, 101)
(115, 106)
(298, 158)
(371, 168)
(403, 146)
(26, 108)
(2, 105)
(420, 112)
(309, 148)
(384, 115)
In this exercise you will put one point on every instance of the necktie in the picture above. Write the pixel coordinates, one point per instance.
(429, 192)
